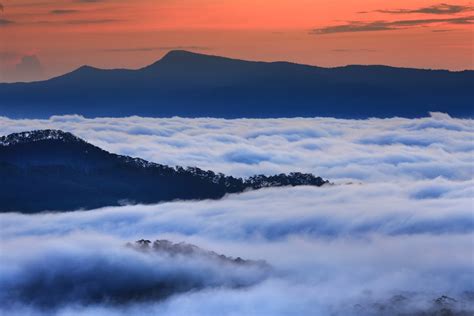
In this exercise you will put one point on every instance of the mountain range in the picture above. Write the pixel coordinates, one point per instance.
(196, 85)
(57, 171)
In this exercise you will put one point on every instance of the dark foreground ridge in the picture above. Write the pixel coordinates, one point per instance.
(57, 171)
(196, 85)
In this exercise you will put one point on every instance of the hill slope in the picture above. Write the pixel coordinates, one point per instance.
(54, 170)
(195, 85)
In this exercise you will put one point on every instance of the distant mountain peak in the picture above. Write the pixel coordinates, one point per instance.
(38, 135)
(179, 53)
(85, 69)
(177, 58)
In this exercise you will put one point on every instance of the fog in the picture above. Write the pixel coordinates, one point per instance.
(398, 222)
(368, 150)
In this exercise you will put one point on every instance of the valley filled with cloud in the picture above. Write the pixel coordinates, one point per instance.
(392, 235)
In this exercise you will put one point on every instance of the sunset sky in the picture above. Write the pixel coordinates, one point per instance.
(44, 38)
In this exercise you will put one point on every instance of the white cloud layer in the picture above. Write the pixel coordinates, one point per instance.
(366, 150)
(404, 226)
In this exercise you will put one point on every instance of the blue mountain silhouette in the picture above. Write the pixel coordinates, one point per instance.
(196, 85)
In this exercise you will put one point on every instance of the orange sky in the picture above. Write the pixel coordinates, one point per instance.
(43, 38)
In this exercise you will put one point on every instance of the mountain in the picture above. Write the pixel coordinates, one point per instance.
(55, 170)
(196, 85)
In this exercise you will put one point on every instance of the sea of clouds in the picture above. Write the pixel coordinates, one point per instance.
(398, 222)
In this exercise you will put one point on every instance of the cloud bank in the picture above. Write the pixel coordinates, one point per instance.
(369, 150)
(394, 234)
(80, 269)
(331, 249)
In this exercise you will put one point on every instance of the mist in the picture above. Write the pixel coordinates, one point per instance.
(395, 230)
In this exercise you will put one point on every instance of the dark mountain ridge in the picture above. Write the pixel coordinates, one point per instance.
(57, 171)
(196, 85)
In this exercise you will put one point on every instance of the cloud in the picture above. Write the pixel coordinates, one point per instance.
(394, 233)
(340, 150)
(20, 67)
(246, 156)
(80, 269)
(92, 21)
(29, 68)
(5, 22)
(7, 56)
(442, 8)
(77, 21)
(434, 207)
(63, 12)
(330, 249)
(359, 26)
